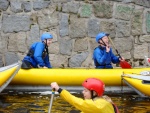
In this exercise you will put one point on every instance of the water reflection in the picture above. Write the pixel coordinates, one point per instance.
(38, 103)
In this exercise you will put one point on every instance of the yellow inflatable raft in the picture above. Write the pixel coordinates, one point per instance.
(139, 83)
(71, 77)
(7, 73)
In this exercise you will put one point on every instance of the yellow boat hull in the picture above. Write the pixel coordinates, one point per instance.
(139, 85)
(7, 73)
(70, 77)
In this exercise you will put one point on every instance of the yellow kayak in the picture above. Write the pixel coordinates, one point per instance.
(7, 73)
(139, 83)
(70, 77)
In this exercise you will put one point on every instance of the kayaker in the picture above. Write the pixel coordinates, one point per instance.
(38, 56)
(93, 102)
(103, 55)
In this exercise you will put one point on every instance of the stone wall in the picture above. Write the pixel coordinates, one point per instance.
(74, 25)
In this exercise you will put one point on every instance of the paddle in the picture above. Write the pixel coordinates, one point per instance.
(123, 64)
(51, 101)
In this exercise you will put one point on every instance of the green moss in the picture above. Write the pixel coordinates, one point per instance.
(78, 15)
(86, 1)
(57, 8)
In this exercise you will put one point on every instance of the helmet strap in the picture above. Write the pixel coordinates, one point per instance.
(92, 94)
(46, 47)
(103, 43)
(45, 42)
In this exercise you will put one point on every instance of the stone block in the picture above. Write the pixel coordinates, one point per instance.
(27, 6)
(122, 29)
(58, 60)
(37, 5)
(137, 21)
(64, 25)
(70, 7)
(54, 48)
(80, 44)
(85, 10)
(1, 61)
(122, 44)
(78, 27)
(16, 6)
(4, 4)
(10, 58)
(65, 47)
(144, 3)
(103, 9)
(12, 45)
(16, 23)
(148, 21)
(140, 51)
(108, 27)
(21, 42)
(123, 11)
(93, 27)
(76, 60)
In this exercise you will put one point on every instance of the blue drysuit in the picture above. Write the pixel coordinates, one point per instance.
(38, 57)
(103, 59)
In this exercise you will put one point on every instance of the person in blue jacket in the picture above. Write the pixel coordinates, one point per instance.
(38, 56)
(103, 55)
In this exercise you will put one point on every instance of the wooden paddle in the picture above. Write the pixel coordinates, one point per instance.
(51, 101)
(123, 64)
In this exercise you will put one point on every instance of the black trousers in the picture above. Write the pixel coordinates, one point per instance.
(26, 65)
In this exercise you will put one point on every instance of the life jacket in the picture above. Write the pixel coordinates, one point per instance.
(44, 54)
(97, 64)
(114, 106)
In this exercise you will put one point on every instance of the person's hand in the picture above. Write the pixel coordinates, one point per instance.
(55, 86)
(45, 67)
(121, 59)
(107, 47)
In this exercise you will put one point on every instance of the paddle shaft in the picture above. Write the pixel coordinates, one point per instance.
(123, 64)
(51, 101)
(114, 47)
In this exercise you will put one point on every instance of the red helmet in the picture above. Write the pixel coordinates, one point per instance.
(94, 84)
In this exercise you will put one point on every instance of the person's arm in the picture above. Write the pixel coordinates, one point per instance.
(87, 105)
(47, 62)
(100, 57)
(114, 58)
(38, 54)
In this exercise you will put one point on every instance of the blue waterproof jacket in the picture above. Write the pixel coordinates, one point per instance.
(103, 59)
(37, 57)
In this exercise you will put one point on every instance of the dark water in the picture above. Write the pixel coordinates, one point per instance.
(39, 103)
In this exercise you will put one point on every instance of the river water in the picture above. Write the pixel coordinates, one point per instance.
(27, 102)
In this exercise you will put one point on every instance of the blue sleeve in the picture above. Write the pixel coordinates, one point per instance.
(47, 62)
(100, 57)
(114, 58)
(38, 54)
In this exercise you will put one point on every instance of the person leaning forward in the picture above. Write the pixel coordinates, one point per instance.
(93, 102)
(38, 56)
(103, 55)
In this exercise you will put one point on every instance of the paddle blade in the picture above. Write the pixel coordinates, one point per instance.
(125, 65)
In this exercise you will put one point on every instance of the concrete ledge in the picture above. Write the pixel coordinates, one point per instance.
(109, 89)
